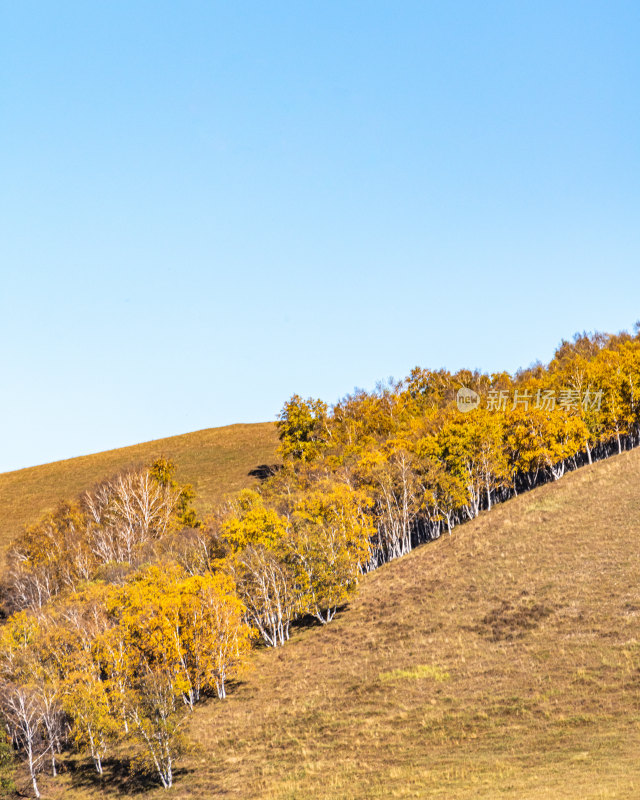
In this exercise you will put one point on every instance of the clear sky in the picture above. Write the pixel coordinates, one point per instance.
(206, 207)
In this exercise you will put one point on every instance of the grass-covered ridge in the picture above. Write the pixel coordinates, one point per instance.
(163, 610)
(533, 611)
(216, 461)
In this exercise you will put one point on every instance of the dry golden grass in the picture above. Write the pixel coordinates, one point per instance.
(533, 611)
(216, 461)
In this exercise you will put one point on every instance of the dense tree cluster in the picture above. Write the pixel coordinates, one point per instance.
(118, 624)
(117, 523)
(420, 466)
(124, 610)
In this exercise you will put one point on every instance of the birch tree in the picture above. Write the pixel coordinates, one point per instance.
(328, 546)
(216, 638)
(23, 714)
(255, 536)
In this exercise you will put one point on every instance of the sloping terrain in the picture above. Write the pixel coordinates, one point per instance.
(215, 460)
(500, 662)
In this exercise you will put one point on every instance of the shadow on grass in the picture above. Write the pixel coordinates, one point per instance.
(121, 777)
(309, 621)
(264, 471)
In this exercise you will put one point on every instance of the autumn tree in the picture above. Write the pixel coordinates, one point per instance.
(328, 546)
(86, 701)
(28, 708)
(444, 492)
(215, 637)
(302, 428)
(22, 713)
(130, 510)
(111, 524)
(48, 557)
(471, 450)
(255, 536)
(389, 476)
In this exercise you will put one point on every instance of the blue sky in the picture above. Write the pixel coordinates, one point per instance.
(206, 207)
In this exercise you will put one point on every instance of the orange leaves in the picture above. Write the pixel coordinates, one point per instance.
(215, 637)
(253, 524)
(191, 627)
(328, 547)
(302, 428)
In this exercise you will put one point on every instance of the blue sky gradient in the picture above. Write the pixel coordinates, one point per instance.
(206, 207)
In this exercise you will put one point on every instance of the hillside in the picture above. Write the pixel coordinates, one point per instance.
(503, 661)
(215, 460)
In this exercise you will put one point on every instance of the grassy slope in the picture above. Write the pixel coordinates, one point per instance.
(215, 461)
(533, 610)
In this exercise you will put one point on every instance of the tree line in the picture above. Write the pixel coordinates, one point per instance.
(423, 466)
(124, 609)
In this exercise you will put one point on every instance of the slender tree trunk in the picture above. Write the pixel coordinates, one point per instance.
(32, 770)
